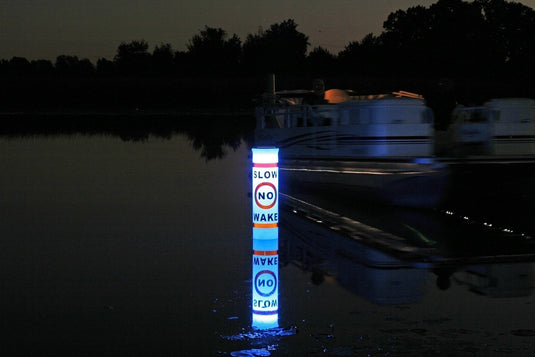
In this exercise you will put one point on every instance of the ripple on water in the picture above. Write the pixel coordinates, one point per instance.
(270, 335)
(258, 334)
(523, 332)
(254, 352)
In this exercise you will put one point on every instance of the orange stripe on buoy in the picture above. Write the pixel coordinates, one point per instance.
(265, 252)
(265, 225)
(265, 165)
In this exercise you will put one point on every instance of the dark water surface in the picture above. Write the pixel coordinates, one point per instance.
(144, 248)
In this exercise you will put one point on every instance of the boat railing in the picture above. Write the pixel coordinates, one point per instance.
(294, 113)
(287, 116)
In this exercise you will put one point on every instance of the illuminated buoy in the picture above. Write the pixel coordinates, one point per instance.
(265, 272)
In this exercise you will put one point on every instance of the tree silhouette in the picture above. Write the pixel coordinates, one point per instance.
(458, 38)
(211, 52)
(42, 67)
(281, 48)
(455, 37)
(18, 66)
(182, 64)
(321, 62)
(163, 59)
(133, 57)
(71, 65)
(511, 26)
(405, 38)
(483, 47)
(364, 57)
(105, 67)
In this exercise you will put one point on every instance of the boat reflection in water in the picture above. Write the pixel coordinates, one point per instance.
(390, 269)
(374, 264)
(499, 280)
(382, 286)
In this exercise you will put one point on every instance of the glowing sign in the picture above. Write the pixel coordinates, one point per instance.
(265, 281)
(265, 195)
(265, 178)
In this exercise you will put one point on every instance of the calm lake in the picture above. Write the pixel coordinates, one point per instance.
(117, 246)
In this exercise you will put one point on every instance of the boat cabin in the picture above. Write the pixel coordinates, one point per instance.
(504, 126)
(347, 125)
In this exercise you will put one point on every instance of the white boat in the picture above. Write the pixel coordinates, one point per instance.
(379, 146)
(500, 128)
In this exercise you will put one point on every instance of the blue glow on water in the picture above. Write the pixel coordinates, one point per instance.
(258, 334)
(266, 340)
(252, 352)
(264, 322)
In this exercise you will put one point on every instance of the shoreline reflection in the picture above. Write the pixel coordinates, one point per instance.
(209, 134)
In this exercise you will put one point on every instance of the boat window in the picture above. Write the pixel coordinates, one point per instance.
(471, 116)
(273, 121)
(365, 116)
(513, 115)
(344, 117)
(494, 115)
(524, 115)
(458, 116)
(326, 122)
(529, 117)
(261, 122)
(354, 116)
(477, 116)
(287, 121)
(294, 120)
(509, 115)
(392, 115)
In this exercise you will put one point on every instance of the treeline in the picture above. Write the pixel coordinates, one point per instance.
(452, 52)
(450, 38)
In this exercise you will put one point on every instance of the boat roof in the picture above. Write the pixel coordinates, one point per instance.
(380, 101)
(336, 96)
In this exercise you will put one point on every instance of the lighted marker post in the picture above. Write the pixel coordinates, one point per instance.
(265, 197)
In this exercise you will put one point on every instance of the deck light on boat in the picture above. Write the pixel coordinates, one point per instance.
(265, 271)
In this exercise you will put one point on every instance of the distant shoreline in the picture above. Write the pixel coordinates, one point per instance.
(130, 113)
(211, 125)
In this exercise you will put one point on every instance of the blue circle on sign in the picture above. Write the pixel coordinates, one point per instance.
(265, 282)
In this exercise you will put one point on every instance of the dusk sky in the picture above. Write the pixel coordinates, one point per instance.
(45, 29)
